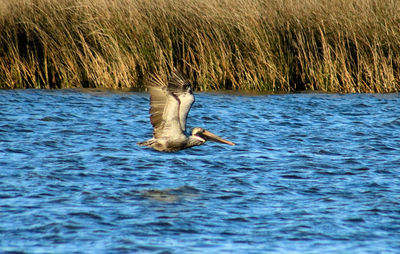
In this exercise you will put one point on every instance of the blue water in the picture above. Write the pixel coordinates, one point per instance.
(311, 173)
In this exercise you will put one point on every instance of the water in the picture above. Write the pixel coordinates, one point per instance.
(311, 173)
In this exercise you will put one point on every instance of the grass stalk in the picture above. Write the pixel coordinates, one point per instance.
(263, 45)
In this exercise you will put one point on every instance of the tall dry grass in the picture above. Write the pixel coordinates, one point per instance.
(265, 45)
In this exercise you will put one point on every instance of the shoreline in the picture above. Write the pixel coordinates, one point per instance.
(270, 46)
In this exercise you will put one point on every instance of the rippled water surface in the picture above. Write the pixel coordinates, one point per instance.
(311, 173)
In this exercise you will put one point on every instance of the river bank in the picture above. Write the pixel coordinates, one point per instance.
(271, 45)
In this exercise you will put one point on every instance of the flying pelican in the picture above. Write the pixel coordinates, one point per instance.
(169, 107)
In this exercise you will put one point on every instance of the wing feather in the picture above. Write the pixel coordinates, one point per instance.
(164, 109)
(183, 91)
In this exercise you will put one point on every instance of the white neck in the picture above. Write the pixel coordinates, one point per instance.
(195, 141)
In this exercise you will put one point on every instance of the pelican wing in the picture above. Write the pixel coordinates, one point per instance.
(180, 88)
(164, 109)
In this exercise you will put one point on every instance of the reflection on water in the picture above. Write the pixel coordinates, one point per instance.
(311, 173)
(171, 194)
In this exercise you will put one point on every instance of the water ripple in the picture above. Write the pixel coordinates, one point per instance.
(311, 173)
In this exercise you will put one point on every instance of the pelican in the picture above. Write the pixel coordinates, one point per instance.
(169, 107)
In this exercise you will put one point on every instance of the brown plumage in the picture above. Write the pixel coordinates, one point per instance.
(170, 104)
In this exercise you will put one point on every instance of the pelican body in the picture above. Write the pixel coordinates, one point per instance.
(170, 104)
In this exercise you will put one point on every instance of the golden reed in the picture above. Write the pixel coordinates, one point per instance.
(263, 45)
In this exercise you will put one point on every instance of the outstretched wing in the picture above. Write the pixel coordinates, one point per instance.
(181, 88)
(164, 109)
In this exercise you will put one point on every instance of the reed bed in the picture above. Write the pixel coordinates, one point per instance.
(263, 45)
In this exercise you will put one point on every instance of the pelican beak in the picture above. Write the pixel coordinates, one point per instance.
(215, 138)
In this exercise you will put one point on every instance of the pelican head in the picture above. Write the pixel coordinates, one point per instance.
(204, 135)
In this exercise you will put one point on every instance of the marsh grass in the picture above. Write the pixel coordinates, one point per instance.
(263, 45)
